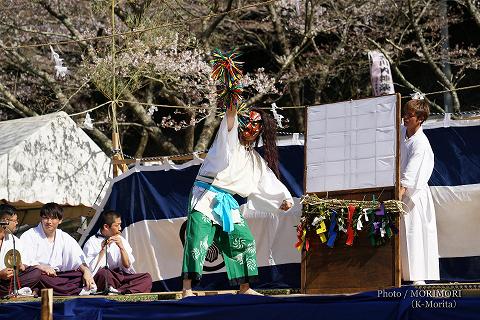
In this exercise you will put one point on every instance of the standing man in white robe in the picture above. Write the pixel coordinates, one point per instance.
(57, 254)
(418, 229)
(115, 272)
(232, 166)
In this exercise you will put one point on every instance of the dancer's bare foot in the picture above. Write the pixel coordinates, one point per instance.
(245, 289)
(187, 293)
(251, 292)
(187, 288)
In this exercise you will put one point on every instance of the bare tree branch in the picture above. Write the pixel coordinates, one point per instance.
(428, 56)
(216, 21)
(102, 140)
(190, 130)
(474, 10)
(154, 131)
(46, 77)
(142, 144)
(45, 33)
(209, 127)
(137, 109)
(287, 63)
(283, 68)
(16, 105)
(69, 25)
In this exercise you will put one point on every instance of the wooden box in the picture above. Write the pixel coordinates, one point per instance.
(350, 269)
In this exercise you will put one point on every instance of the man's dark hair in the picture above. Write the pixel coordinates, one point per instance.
(109, 216)
(269, 139)
(7, 211)
(52, 210)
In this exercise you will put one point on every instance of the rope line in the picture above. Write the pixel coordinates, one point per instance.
(171, 24)
(268, 108)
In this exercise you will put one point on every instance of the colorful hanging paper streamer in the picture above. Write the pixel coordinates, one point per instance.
(350, 233)
(332, 234)
(321, 231)
(381, 210)
(302, 242)
(340, 222)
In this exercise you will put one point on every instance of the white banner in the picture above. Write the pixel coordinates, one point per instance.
(382, 82)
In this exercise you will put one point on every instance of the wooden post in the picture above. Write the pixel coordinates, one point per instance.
(397, 263)
(117, 156)
(47, 304)
(115, 145)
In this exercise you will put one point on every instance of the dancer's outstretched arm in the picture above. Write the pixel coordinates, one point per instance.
(231, 113)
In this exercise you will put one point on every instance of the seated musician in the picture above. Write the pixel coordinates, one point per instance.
(28, 276)
(115, 271)
(57, 255)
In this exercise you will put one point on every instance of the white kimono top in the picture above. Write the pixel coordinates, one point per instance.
(418, 229)
(64, 254)
(7, 244)
(416, 161)
(239, 171)
(114, 258)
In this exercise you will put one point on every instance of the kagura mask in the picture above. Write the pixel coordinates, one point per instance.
(250, 126)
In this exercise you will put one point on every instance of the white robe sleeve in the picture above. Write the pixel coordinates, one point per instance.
(218, 156)
(29, 247)
(20, 247)
(73, 256)
(269, 193)
(91, 249)
(419, 165)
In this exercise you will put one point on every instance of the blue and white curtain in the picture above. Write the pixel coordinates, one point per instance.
(153, 202)
(455, 186)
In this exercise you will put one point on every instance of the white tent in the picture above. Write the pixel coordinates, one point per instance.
(49, 159)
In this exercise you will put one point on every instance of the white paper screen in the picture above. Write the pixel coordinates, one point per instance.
(351, 145)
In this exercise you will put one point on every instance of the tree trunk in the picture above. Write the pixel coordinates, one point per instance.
(208, 130)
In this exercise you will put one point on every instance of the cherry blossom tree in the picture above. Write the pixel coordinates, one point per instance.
(157, 72)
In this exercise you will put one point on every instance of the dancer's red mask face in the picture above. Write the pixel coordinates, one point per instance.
(251, 127)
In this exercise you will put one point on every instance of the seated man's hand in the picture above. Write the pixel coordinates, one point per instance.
(88, 280)
(117, 240)
(22, 267)
(49, 271)
(285, 205)
(104, 244)
(6, 273)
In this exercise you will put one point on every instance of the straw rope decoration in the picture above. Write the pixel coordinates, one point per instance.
(327, 218)
(394, 206)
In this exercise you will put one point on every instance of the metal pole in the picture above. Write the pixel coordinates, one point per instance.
(447, 96)
(15, 268)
